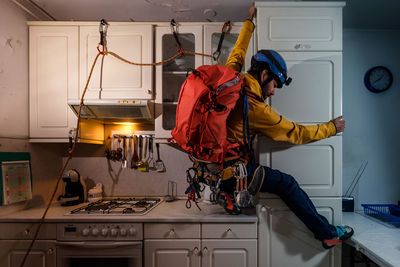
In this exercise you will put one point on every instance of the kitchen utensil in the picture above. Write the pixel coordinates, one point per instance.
(135, 157)
(160, 167)
(118, 154)
(172, 188)
(144, 167)
(124, 161)
(95, 193)
(73, 190)
(150, 159)
(140, 163)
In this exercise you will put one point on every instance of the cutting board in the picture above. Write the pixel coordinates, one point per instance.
(15, 177)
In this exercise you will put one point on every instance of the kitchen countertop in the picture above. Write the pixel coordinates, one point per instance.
(377, 240)
(175, 211)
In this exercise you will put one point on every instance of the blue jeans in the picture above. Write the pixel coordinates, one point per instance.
(286, 187)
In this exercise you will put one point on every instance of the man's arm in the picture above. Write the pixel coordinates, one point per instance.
(236, 58)
(266, 121)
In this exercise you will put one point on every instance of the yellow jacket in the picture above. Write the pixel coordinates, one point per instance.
(262, 118)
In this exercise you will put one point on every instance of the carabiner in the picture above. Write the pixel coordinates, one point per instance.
(227, 27)
(103, 32)
(174, 30)
(173, 25)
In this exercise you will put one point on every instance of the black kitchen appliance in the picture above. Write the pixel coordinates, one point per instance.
(74, 190)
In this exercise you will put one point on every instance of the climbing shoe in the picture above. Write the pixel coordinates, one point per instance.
(343, 233)
(228, 203)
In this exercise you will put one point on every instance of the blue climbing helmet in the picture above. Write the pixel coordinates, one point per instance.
(274, 63)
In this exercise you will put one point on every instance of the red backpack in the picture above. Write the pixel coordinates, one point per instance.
(205, 101)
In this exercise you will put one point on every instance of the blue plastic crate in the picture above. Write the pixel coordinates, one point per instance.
(383, 212)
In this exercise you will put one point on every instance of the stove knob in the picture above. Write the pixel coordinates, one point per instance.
(85, 232)
(95, 232)
(114, 232)
(104, 232)
(123, 232)
(132, 231)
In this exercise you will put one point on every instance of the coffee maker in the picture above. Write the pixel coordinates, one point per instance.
(73, 190)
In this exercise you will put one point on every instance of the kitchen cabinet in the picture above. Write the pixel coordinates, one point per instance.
(113, 78)
(207, 244)
(15, 238)
(309, 37)
(53, 78)
(171, 75)
(212, 35)
(315, 94)
(291, 26)
(316, 166)
(285, 241)
(201, 38)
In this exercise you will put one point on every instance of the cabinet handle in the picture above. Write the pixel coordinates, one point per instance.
(50, 251)
(171, 233)
(196, 251)
(263, 209)
(228, 231)
(26, 232)
(302, 46)
(205, 251)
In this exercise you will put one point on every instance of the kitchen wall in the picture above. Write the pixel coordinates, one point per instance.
(372, 129)
(89, 160)
(46, 158)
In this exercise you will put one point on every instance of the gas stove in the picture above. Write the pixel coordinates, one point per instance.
(118, 206)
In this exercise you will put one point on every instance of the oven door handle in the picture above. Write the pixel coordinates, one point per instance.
(99, 244)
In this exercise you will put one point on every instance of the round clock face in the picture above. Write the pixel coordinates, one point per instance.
(378, 79)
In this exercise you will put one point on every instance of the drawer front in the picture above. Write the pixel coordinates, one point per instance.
(299, 28)
(233, 230)
(27, 231)
(171, 230)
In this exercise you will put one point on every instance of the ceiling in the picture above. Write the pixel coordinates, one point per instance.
(361, 14)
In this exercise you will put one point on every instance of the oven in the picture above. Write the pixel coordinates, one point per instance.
(99, 244)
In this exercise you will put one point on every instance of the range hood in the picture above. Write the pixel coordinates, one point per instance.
(113, 110)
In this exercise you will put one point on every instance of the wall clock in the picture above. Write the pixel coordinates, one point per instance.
(378, 79)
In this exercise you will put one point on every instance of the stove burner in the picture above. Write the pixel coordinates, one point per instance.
(115, 206)
(141, 203)
(128, 210)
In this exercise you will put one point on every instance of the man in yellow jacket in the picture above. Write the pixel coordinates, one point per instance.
(268, 71)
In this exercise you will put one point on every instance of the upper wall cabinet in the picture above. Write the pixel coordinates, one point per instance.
(200, 38)
(53, 78)
(113, 78)
(212, 36)
(171, 74)
(299, 26)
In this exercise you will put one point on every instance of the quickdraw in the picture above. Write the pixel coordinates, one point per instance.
(174, 29)
(226, 28)
(103, 36)
(194, 188)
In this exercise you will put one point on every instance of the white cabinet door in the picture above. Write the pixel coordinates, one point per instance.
(53, 71)
(285, 241)
(229, 253)
(118, 80)
(212, 35)
(299, 26)
(315, 94)
(12, 252)
(171, 75)
(317, 166)
(172, 253)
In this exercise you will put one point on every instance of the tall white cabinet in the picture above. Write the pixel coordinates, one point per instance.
(309, 36)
